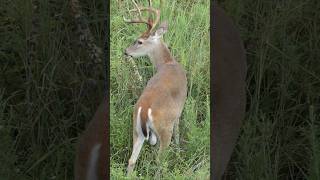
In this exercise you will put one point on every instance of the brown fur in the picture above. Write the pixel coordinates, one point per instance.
(165, 92)
(165, 95)
(95, 133)
(229, 98)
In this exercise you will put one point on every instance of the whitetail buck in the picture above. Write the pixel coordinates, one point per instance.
(91, 159)
(229, 97)
(91, 156)
(157, 112)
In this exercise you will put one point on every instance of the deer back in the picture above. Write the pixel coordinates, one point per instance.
(229, 97)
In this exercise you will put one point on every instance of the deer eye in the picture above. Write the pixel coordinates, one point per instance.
(139, 42)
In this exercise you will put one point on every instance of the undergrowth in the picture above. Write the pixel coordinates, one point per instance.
(188, 39)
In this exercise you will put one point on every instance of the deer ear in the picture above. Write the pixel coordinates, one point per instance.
(163, 28)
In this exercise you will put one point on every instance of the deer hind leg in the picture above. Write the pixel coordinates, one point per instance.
(137, 145)
(176, 132)
(165, 136)
(138, 139)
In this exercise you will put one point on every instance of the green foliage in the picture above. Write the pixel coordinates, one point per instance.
(280, 135)
(46, 100)
(188, 38)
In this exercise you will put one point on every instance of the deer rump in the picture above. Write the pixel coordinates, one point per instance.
(92, 148)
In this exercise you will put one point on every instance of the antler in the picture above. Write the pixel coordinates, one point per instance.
(149, 22)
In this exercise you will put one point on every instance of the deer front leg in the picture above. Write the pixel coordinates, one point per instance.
(137, 145)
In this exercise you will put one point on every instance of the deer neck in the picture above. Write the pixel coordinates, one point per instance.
(160, 55)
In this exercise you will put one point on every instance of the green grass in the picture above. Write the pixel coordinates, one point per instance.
(45, 105)
(280, 137)
(42, 115)
(188, 38)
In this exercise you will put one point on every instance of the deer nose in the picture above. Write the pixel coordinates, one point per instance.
(125, 53)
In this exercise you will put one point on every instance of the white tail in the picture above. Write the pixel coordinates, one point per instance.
(229, 97)
(157, 112)
(91, 159)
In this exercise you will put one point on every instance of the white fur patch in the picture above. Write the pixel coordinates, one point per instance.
(149, 115)
(138, 126)
(153, 138)
(92, 169)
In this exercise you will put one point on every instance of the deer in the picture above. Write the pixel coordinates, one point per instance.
(92, 148)
(229, 89)
(91, 161)
(157, 112)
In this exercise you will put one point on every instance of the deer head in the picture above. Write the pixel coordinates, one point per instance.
(148, 40)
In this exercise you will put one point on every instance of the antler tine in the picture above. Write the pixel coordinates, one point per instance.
(150, 23)
(136, 20)
(137, 7)
(139, 20)
(156, 12)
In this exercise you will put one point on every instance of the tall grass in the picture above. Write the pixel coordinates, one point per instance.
(188, 39)
(47, 99)
(280, 137)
